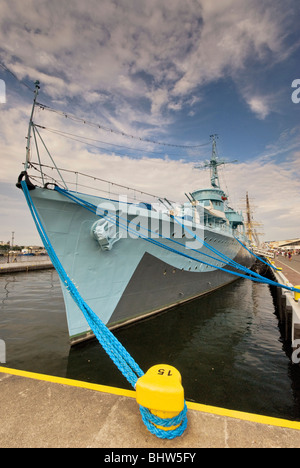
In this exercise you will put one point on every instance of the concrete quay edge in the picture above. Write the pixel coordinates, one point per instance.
(39, 410)
(10, 268)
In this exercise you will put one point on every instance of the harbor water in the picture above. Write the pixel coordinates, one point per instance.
(226, 345)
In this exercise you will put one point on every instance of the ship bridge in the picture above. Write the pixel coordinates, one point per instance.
(211, 196)
(214, 199)
(214, 202)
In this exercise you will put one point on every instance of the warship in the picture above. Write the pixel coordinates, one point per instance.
(131, 258)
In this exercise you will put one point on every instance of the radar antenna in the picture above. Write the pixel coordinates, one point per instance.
(214, 163)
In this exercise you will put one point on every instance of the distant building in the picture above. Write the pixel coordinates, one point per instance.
(37, 250)
(289, 244)
(26, 251)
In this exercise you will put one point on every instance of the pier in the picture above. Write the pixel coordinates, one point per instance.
(290, 268)
(288, 308)
(35, 263)
(41, 411)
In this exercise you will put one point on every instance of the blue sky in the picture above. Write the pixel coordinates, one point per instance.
(170, 71)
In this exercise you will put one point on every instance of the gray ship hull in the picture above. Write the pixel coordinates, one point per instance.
(156, 286)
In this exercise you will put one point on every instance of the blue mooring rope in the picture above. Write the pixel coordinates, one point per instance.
(152, 421)
(256, 256)
(116, 351)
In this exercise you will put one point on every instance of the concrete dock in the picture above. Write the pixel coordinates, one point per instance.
(288, 308)
(30, 265)
(290, 268)
(40, 411)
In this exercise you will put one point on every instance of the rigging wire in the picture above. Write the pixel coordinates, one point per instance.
(117, 132)
(136, 190)
(72, 136)
(22, 82)
(100, 126)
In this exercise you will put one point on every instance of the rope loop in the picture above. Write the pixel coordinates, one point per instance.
(151, 421)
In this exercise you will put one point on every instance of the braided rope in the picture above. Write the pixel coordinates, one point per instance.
(109, 342)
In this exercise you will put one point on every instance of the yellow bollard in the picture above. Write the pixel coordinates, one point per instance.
(297, 294)
(160, 391)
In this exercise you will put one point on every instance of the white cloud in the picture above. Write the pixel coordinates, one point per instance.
(132, 65)
(159, 98)
(259, 106)
(158, 50)
(232, 32)
(274, 187)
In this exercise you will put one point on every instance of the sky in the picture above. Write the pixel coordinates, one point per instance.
(158, 77)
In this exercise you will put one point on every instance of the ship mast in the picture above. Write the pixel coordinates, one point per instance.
(249, 223)
(36, 92)
(214, 163)
(251, 232)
